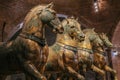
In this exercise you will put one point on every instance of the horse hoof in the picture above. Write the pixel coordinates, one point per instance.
(102, 73)
(115, 78)
(115, 72)
(81, 78)
(43, 78)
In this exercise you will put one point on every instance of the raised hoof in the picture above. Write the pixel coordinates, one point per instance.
(81, 78)
(43, 78)
(114, 72)
(102, 73)
(116, 78)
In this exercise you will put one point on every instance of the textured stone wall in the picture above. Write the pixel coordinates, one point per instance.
(13, 12)
(116, 57)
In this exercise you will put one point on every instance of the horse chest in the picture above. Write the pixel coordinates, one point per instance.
(36, 54)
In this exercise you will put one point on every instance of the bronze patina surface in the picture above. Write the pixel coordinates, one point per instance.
(29, 50)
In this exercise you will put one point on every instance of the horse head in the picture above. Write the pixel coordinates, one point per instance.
(93, 37)
(73, 28)
(39, 16)
(95, 40)
(105, 40)
(48, 16)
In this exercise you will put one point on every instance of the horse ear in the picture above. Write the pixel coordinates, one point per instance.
(77, 18)
(50, 5)
(67, 21)
(93, 29)
(105, 34)
(72, 17)
(39, 12)
(102, 33)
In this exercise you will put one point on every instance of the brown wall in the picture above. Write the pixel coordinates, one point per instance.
(116, 42)
(13, 12)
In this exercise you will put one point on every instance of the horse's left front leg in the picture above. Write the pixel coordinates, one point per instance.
(107, 68)
(74, 73)
(29, 68)
(99, 71)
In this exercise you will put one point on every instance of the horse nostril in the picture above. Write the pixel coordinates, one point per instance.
(82, 36)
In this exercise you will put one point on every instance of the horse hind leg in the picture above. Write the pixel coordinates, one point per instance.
(114, 73)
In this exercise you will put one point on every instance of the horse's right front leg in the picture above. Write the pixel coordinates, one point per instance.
(114, 73)
(98, 70)
(29, 68)
(74, 73)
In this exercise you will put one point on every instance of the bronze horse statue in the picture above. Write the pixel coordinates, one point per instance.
(99, 58)
(95, 44)
(61, 58)
(29, 50)
(62, 53)
(85, 50)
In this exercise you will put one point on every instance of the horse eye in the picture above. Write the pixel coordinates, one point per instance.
(54, 13)
(72, 26)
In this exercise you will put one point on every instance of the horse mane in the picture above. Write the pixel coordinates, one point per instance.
(33, 12)
(73, 20)
(89, 31)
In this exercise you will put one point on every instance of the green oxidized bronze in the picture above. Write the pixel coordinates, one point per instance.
(62, 53)
(28, 49)
(99, 59)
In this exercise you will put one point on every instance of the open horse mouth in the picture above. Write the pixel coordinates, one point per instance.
(58, 30)
(82, 39)
(56, 24)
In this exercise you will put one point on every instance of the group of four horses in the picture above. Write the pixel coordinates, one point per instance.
(71, 53)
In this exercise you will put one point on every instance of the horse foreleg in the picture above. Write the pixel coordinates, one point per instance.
(58, 78)
(107, 68)
(31, 69)
(99, 71)
(74, 73)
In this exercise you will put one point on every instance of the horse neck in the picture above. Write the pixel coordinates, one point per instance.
(41, 33)
(37, 28)
(97, 48)
(85, 44)
(66, 40)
